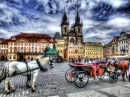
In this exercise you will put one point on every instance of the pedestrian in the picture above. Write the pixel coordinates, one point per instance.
(79, 59)
(129, 69)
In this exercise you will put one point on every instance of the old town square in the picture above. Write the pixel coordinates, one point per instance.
(53, 84)
(64, 48)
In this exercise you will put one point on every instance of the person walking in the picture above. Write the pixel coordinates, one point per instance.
(129, 69)
(79, 59)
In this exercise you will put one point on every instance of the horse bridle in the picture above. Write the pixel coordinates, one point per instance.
(39, 65)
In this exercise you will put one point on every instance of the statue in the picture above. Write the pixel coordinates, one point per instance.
(50, 51)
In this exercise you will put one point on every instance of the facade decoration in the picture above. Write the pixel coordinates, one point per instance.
(74, 46)
(107, 49)
(115, 46)
(123, 44)
(60, 44)
(93, 50)
(24, 46)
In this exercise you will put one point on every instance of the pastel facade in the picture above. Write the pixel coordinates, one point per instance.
(93, 50)
(25, 46)
(124, 44)
(74, 46)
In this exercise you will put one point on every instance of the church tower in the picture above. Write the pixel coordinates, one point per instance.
(64, 24)
(78, 27)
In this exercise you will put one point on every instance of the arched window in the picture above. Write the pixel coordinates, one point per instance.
(79, 30)
(65, 29)
(72, 40)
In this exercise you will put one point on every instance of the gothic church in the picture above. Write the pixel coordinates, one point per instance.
(74, 46)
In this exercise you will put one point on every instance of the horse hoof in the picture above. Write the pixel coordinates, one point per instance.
(33, 90)
(28, 86)
(7, 92)
(123, 79)
(13, 90)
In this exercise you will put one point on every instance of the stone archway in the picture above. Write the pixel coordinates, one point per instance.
(21, 58)
(2, 58)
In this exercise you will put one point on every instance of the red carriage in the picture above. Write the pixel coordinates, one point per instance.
(79, 73)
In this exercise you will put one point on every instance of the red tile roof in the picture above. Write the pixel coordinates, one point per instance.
(32, 35)
(5, 41)
(128, 35)
(1, 39)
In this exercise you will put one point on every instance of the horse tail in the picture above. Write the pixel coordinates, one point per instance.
(3, 74)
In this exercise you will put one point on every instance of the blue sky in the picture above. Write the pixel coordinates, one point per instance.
(102, 19)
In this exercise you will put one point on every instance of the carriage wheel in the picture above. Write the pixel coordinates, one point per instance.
(101, 77)
(113, 77)
(82, 79)
(70, 75)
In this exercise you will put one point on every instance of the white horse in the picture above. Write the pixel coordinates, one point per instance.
(20, 68)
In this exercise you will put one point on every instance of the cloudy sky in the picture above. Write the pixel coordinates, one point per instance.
(102, 19)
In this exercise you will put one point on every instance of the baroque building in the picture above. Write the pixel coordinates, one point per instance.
(107, 49)
(74, 46)
(60, 43)
(115, 46)
(24, 46)
(124, 44)
(93, 50)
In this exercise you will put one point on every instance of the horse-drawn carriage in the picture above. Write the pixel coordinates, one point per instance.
(29, 69)
(79, 73)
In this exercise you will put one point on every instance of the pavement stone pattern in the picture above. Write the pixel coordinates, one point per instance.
(90, 93)
(118, 91)
(53, 84)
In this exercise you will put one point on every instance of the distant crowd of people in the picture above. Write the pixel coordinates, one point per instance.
(93, 60)
(83, 60)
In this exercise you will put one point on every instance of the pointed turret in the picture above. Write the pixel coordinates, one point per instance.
(77, 20)
(65, 20)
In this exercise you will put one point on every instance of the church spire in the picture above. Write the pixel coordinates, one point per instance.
(64, 16)
(65, 20)
(77, 19)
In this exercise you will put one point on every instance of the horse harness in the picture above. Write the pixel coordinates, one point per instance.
(39, 65)
(28, 70)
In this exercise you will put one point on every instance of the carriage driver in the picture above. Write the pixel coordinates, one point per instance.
(109, 62)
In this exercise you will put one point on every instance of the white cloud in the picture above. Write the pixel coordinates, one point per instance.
(119, 22)
(116, 3)
(97, 31)
(5, 33)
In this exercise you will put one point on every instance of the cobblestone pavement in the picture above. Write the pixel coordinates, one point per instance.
(53, 84)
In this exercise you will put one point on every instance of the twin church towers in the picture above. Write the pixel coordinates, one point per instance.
(73, 37)
(74, 34)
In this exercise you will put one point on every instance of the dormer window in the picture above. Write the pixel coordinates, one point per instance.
(13, 38)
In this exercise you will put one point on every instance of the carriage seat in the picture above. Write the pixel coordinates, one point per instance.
(78, 64)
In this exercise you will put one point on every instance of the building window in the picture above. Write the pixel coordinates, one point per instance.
(65, 29)
(79, 30)
(72, 40)
(28, 57)
(13, 57)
